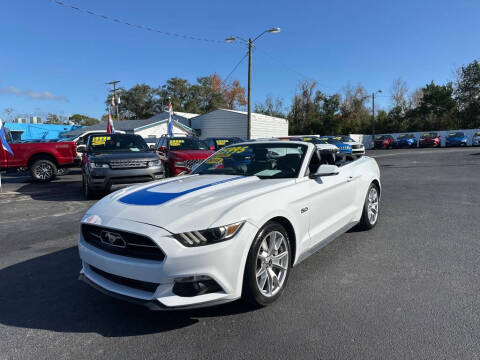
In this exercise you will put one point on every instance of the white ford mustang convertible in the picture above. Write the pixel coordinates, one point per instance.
(232, 229)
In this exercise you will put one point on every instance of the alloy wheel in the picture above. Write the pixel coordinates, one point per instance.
(272, 263)
(43, 171)
(372, 206)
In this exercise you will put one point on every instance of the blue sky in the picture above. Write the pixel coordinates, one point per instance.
(55, 59)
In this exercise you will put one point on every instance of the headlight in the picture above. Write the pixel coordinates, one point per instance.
(208, 236)
(97, 165)
(154, 163)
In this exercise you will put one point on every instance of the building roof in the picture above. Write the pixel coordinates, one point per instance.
(176, 115)
(40, 131)
(255, 115)
(127, 125)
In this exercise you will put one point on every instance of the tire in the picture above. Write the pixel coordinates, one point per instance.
(263, 258)
(368, 221)
(62, 171)
(87, 192)
(43, 170)
(166, 167)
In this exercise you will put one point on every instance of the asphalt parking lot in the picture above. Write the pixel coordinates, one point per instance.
(409, 289)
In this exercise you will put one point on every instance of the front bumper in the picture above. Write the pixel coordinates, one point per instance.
(456, 143)
(100, 178)
(223, 262)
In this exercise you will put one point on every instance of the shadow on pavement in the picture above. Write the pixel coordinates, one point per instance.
(53, 191)
(44, 293)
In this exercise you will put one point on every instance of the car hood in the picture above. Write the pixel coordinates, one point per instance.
(186, 203)
(191, 154)
(147, 156)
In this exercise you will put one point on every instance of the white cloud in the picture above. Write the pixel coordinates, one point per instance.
(36, 95)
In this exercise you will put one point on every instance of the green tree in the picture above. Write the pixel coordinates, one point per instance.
(467, 95)
(52, 119)
(272, 107)
(83, 120)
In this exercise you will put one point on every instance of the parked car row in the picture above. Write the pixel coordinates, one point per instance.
(428, 139)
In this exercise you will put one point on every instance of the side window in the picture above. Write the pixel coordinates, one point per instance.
(314, 163)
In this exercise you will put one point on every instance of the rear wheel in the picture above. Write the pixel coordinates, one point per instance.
(370, 208)
(268, 265)
(43, 170)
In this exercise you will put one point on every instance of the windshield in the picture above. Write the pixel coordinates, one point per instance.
(477, 134)
(187, 143)
(404, 136)
(222, 142)
(313, 140)
(429, 135)
(456, 134)
(267, 161)
(344, 138)
(330, 140)
(383, 137)
(117, 143)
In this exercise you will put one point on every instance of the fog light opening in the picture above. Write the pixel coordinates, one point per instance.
(195, 285)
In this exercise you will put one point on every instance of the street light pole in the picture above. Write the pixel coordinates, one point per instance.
(250, 42)
(249, 91)
(373, 113)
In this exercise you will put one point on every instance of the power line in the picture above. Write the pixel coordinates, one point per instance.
(235, 67)
(142, 27)
(294, 70)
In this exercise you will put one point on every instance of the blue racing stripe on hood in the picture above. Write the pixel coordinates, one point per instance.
(146, 197)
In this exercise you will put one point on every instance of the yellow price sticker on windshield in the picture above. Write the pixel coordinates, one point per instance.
(221, 142)
(307, 139)
(100, 140)
(176, 142)
(214, 160)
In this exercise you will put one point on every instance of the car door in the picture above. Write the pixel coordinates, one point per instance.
(332, 204)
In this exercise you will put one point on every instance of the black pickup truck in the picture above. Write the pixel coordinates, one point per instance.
(117, 159)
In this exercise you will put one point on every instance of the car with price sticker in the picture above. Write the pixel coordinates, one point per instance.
(343, 148)
(111, 159)
(220, 142)
(180, 154)
(233, 228)
(357, 147)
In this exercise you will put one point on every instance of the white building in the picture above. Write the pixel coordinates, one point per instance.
(145, 128)
(234, 123)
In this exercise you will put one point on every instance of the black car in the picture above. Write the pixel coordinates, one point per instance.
(219, 142)
(118, 159)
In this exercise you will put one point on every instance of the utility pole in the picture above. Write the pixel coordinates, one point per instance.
(373, 116)
(115, 101)
(250, 43)
(373, 113)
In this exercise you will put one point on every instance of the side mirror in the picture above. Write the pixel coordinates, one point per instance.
(325, 170)
(211, 147)
(81, 148)
(152, 147)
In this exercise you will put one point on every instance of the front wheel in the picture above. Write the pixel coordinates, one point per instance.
(370, 208)
(268, 265)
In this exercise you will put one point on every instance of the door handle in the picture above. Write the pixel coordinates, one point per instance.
(350, 178)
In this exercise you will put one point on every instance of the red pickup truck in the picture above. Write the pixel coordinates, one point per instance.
(180, 154)
(44, 159)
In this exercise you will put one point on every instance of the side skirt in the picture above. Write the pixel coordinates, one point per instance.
(325, 242)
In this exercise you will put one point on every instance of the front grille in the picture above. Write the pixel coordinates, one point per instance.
(136, 284)
(122, 242)
(191, 163)
(356, 146)
(128, 164)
